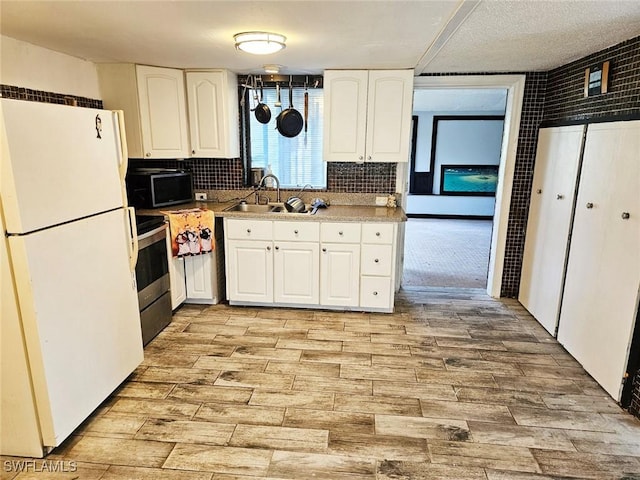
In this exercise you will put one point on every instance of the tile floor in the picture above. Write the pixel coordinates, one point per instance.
(454, 385)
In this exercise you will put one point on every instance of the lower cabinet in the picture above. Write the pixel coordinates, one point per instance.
(321, 264)
(193, 279)
(340, 275)
(250, 270)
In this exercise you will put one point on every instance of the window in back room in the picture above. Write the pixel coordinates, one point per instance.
(296, 161)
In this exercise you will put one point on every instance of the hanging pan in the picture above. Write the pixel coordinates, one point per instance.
(262, 110)
(289, 122)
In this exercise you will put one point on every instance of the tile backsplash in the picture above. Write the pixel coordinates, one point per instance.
(20, 93)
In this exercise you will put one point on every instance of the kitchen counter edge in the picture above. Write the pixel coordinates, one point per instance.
(333, 213)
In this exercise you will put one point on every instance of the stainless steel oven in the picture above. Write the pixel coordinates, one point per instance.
(152, 276)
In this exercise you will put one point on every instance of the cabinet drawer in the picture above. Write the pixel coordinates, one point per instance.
(381, 233)
(376, 260)
(292, 231)
(340, 232)
(249, 229)
(376, 292)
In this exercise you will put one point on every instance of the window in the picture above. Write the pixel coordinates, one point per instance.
(295, 161)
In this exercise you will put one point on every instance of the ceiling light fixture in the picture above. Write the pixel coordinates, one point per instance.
(259, 43)
(271, 68)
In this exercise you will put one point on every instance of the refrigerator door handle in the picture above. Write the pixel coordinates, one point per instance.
(122, 143)
(133, 242)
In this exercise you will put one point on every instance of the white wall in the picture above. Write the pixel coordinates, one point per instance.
(25, 65)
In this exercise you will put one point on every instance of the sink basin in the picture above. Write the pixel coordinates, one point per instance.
(253, 208)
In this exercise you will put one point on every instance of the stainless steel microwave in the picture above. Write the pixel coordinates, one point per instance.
(154, 187)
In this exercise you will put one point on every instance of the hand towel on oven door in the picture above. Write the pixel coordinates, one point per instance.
(191, 231)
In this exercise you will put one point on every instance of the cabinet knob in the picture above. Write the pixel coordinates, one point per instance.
(539, 191)
(295, 231)
(324, 249)
(248, 230)
(559, 196)
(340, 233)
(360, 157)
(148, 154)
(268, 249)
(376, 260)
(277, 247)
(193, 152)
(589, 205)
(375, 293)
(369, 157)
(377, 234)
(625, 215)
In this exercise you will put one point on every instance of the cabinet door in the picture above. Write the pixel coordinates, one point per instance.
(600, 301)
(340, 275)
(389, 110)
(548, 227)
(213, 114)
(250, 271)
(176, 277)
(296, 268)
(163, 112)
(345, 117)
(199, 275)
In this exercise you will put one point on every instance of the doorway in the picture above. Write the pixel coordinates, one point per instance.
(514, 85)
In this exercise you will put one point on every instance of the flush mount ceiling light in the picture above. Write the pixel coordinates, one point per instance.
(259, 43)
(271, 68)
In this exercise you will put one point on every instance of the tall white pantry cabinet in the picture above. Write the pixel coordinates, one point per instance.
(600, 259)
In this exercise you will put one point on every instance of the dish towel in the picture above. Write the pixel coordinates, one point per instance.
(191, 231)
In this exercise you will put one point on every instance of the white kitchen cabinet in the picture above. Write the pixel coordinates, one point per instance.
(200, 279)
(212, 98)
(296, 273)
(367, 115)
(153, 101)
(249, 260)
(549, 224)
(177, 281)
(340, 274)
(600, 301)
(250, 271)
(376, 266)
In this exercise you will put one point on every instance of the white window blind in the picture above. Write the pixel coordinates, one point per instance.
(295, 161)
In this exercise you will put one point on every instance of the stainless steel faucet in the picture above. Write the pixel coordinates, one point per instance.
(271, 175)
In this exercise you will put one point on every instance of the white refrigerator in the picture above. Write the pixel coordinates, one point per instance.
(70, 326)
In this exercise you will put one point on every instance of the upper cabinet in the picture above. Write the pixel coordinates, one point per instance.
(367, 115)
(153, 101)
(213, 114)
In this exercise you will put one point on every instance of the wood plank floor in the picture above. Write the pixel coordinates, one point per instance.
(454, 385)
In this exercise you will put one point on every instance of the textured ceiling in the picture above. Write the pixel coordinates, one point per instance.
(427, 35)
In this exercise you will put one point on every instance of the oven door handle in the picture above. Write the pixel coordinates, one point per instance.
(133, 240)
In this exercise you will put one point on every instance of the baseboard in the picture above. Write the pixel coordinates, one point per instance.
(453, 217)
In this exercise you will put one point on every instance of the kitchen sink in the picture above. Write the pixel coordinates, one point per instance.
(268, 208)
(254, 208)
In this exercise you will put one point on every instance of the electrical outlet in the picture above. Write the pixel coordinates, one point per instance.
(201, 196)
(381, 201)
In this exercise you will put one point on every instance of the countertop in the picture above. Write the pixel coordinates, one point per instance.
(333, 213)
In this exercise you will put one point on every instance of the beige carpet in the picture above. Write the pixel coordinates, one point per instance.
(446, 253)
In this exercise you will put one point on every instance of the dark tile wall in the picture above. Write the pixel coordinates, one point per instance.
(347, 177)
(20, 93)
(532, 109)
(634, 408)
(565, 99)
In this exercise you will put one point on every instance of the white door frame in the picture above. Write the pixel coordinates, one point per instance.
(514, 84)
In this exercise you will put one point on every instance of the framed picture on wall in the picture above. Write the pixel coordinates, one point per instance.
(469, 180)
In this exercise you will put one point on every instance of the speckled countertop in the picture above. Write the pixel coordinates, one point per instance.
(333, 213)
